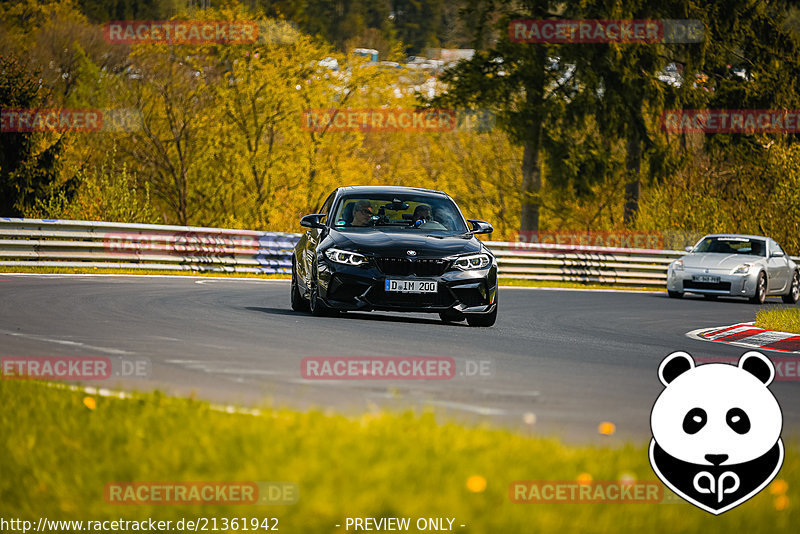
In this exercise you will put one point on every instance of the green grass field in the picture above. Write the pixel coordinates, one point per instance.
(57, 455)
(781, 319)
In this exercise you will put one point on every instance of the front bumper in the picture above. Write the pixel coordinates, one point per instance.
(347, 287)
(734, 285)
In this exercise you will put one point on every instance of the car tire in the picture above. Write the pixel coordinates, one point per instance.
(483, 319)
(761, 290)
(299, 304)
(451, 316)
(675, 294)
(315, 304)
(794, 290)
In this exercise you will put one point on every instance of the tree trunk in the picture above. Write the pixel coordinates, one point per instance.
(633, 162)
(531, 166)
(531, 184)
(631, 203)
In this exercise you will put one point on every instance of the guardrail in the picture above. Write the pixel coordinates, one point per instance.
(583, 264)
(57, 243)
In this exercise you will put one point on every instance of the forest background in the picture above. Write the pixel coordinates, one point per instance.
(215, 136)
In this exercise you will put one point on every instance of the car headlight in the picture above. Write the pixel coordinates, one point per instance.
(677, 265)
(473, 261)
(345, 256)
(742, 269)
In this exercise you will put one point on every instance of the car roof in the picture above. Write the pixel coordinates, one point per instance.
(389, 189)
(744, 236)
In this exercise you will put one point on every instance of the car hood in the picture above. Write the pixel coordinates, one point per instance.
(397, 244)
(705, 260)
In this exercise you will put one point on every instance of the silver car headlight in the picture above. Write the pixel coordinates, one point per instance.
(473, 261)
(677, 265)
(742, 269)
(345, 256)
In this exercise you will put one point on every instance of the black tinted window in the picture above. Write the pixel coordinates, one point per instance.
(412, 212)
(733, 245)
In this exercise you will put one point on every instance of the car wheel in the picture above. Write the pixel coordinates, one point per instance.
(483, 319)
(761, 290)
(794, 290)
(451, 316)
(675, 294)
(318, 308)
(299, 304)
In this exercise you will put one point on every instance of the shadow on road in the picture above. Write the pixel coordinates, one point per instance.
(272, 311)
(363, 316)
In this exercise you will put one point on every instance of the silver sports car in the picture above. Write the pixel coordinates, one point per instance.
(736, 266)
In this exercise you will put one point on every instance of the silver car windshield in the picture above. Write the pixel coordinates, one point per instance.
(733, 245)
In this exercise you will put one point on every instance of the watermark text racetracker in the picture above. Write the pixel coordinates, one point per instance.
(606, 31)
(787, 368)
(595, 238)
(594, 492)
(181, 32)
(69, 120)
(189, 243)
(73, 367)
(397, 120)
(746, 121)
(201, 493)
(394, 368)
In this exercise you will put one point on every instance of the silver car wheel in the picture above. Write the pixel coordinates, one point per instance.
(794, 291)
(796, 286)
(761, 290)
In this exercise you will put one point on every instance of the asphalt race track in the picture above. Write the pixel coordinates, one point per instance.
(571, 358)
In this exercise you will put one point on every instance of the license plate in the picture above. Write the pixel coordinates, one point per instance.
(411, 286)
(706, 278)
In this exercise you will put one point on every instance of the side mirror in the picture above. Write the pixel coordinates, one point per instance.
(689, 248)
(313, 221)
(777, 254)
(480, 227)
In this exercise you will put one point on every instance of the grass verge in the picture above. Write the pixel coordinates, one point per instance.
(514, 282)
(58, 451)
(781, 319)
(87, 270)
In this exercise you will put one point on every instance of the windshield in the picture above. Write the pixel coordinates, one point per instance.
(732, 245)
(411, 212)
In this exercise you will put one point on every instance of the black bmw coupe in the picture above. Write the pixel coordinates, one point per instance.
(394, 249)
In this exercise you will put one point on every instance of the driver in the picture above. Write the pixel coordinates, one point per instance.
(422, 214)
(362, 212)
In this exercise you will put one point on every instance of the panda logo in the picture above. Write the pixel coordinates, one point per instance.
(716, 430)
